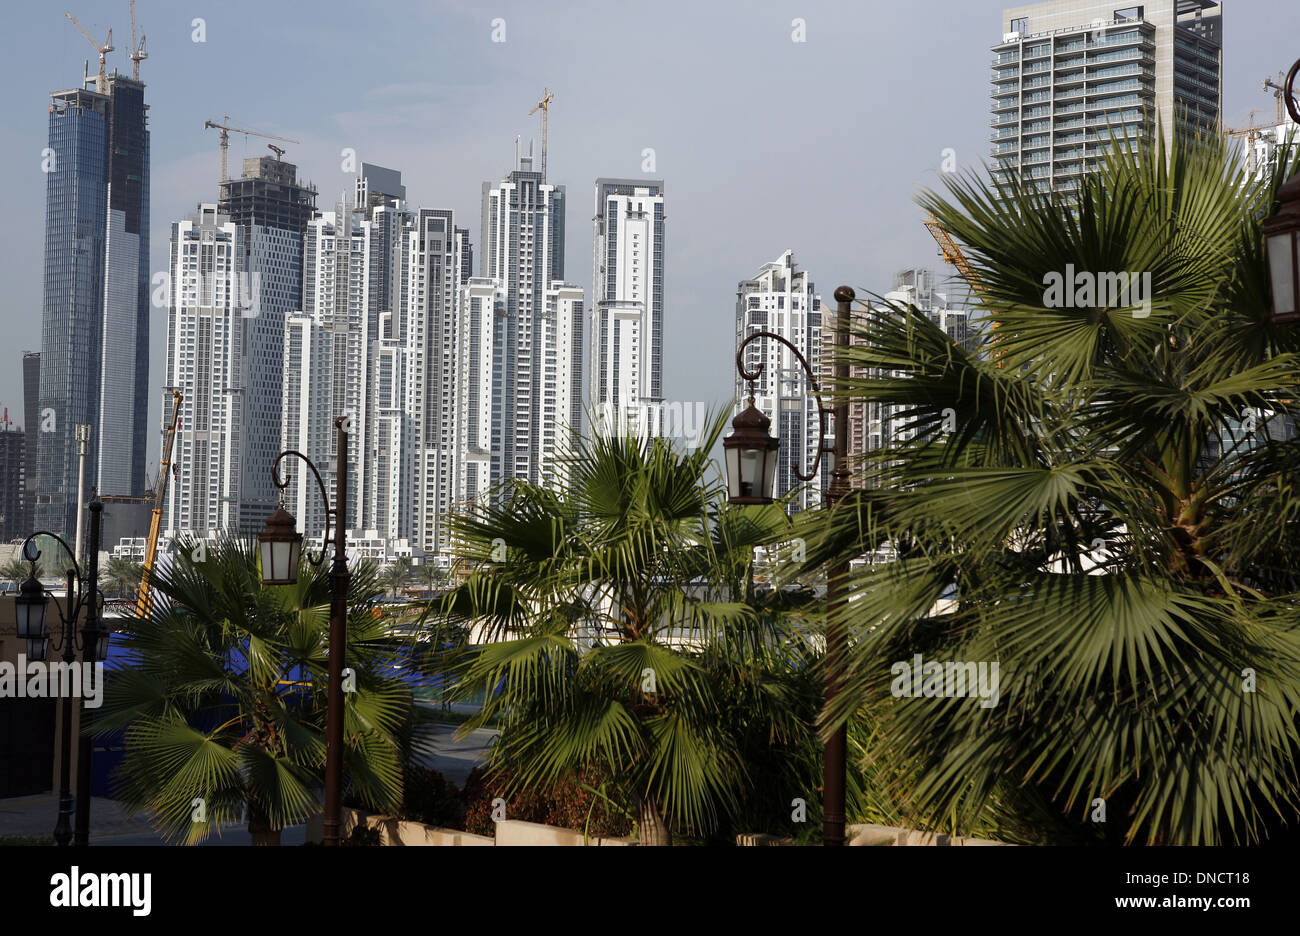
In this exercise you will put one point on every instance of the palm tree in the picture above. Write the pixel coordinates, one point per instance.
(396, 575)
(432, 575)
(224, 709)
(1110, 512)
(620, 638)
(15, 570)
(121, 576)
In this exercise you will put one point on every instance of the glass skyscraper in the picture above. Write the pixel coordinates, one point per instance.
(95, 313)
(1072, 76)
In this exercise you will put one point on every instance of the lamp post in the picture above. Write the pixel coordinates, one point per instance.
(1282, 231)
(280, 546)
(82, 598)
(751, 455)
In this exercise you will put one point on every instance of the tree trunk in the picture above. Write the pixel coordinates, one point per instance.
(651, 828)
(259, 828)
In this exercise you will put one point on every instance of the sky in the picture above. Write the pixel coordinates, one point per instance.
(764, 143)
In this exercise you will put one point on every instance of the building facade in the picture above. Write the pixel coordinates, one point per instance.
(782, 299)
(522, 250)
(206, 350)
(626, 328)
(95, 309)
(13, 493)
(31, 426)
(270, 209)
(1071, 77)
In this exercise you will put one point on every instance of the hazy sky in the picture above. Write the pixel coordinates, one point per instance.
(763, 143)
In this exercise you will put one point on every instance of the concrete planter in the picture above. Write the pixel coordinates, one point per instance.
(394, 831)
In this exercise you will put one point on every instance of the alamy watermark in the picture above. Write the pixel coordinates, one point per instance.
(952, 680)
(242, 291)
(1087, 290)
(669, 419)
(36, 679)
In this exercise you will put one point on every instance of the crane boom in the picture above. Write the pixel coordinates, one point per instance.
(226, 130)
(101, 83)
(544, 105)
(143, 598)
(953, 255)
(138, 54)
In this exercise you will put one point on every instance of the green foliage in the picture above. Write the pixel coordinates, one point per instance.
(430, 798)
(120, 577)
(1100, 521)
(625, 637)
(363, 836)
(225, 702)
(583, 801)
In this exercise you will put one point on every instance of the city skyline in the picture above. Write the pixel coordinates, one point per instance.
(861, 247)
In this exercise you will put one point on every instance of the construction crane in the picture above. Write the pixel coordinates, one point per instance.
(1279, 94)
(1251, 133)
(952, 254)
(278, 150)
(143, 598)
(226, 130)
(138, 54)
(101, 83)
(544, 105)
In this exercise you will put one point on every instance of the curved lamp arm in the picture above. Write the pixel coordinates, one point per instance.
(282, 484)
(822, 411)
(32, 553)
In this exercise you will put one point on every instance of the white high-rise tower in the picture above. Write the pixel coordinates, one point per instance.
(535, 380)
(627, 306)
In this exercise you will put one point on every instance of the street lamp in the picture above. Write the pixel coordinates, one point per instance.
(751, 455)
(1282, 231)
(280, 546)
(82, 598)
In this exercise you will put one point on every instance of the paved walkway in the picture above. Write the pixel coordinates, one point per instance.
(111, 825)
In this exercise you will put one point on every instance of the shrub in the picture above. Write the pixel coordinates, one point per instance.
(582, 801)
(432, 799)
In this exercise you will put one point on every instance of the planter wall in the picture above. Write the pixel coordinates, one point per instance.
(405, 832)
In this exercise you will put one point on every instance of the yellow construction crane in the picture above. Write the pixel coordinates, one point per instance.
(138, 54)
(544, 105)
(143, 598)
(226, 130)
(101, 83)
(953, 255)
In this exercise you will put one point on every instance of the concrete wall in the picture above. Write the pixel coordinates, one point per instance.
(404, 832)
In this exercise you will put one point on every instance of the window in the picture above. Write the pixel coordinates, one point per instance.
(1020, 25)
(1129, 14)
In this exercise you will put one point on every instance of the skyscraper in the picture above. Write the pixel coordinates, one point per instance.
(377, 341)
(206, 348)
(782, 299)
(270, 210)
(627, 304)
(95, 312)
(325, 378)
(533, 376)
(439, 258)
(13, 493)
(31, 426)
(1071, 76)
